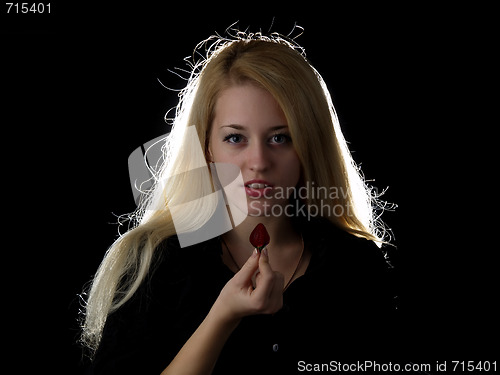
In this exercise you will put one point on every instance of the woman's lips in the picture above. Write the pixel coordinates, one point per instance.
(258, 188)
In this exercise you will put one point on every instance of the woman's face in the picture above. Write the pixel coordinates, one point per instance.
(250, 130)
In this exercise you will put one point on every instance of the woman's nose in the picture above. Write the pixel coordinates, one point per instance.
(258, 158)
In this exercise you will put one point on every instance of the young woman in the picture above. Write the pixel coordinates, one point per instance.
(317, 293)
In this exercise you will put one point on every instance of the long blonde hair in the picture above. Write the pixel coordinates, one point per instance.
(278, 65)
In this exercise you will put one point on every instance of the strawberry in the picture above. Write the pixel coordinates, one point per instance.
(259, 237)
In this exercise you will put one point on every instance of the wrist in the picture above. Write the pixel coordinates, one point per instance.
(222, 317)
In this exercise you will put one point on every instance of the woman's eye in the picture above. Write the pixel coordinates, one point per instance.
(233, 138)
(281, 138)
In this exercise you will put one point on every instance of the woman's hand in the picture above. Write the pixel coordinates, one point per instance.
(239, 298)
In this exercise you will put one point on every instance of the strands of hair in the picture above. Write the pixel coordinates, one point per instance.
(206, 47)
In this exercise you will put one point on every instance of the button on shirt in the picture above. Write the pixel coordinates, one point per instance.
(340, 309)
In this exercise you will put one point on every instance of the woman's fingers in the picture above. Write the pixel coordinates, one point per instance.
(266, 297)
(265, 276)
(268, 293)
(244, 275)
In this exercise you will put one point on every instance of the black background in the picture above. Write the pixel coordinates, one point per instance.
(81, 92)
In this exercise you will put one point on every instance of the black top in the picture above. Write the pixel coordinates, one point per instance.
(340, 310)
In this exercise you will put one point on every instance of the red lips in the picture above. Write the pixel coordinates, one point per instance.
(259, 237)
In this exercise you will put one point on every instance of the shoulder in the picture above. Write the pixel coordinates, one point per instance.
(134, 334)
(355, 268)
(156, 305)
(175, 262)
(331, 242)
(171, 273)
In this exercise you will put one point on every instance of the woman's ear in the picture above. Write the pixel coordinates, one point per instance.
(208, 153)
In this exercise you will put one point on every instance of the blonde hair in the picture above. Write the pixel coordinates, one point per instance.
(278, 65)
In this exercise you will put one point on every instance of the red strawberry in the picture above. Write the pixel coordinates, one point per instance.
(259, 237)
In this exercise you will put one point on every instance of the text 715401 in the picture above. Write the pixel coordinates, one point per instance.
(23, 8)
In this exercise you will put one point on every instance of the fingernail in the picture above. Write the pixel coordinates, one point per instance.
(264, 251)
(255, 253)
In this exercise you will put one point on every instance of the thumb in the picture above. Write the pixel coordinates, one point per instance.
(248, 269)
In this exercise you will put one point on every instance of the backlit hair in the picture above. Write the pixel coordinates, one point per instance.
(278, 65)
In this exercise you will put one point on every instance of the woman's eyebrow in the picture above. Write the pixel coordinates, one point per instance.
(234, 126)
(241, 127)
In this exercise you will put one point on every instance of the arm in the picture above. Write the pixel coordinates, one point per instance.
(237, 299)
